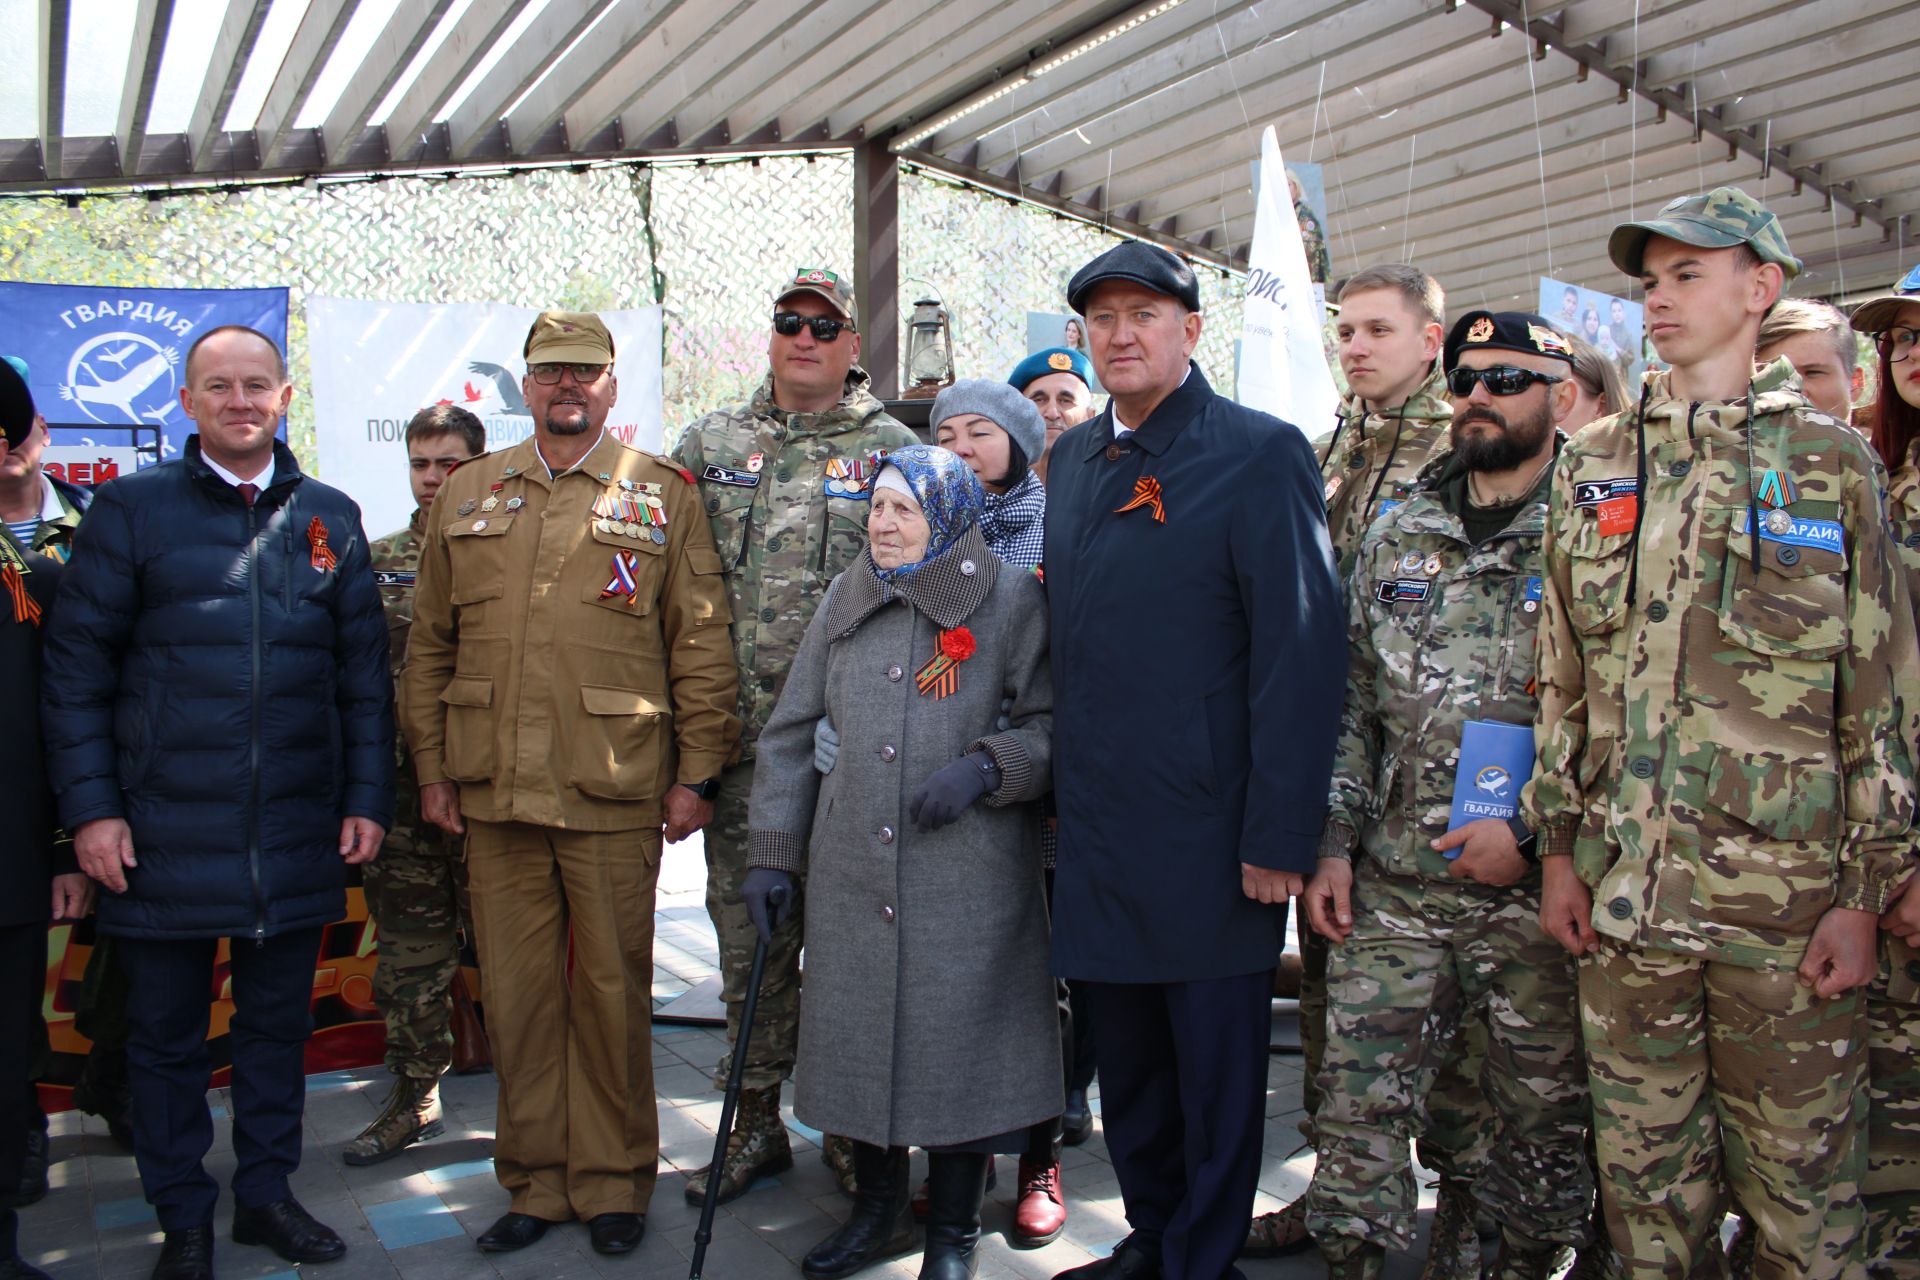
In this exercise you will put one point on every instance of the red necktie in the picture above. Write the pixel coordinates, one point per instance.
(250, 492)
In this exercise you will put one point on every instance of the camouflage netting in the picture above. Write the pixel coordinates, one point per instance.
(708, 240)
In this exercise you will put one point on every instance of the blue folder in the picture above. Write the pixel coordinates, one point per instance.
(1496, 759)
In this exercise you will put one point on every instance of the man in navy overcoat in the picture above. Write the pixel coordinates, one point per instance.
(1198, 663)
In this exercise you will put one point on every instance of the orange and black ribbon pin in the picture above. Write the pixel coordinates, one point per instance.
(25, 607)
(323, 557)
(1146, 493)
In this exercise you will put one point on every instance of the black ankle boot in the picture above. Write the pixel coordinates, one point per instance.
(881, 1223)
(956, 1184)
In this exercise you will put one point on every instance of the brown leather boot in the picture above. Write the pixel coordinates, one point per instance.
(757, 1148)
(411, 1113)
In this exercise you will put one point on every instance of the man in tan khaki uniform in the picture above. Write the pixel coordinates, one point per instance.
(569, 689)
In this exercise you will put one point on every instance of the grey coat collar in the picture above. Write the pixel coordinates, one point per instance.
(947, 588)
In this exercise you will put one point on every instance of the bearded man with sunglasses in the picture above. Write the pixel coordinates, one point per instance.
(1433, 912)
(567, 694)
(785, 480)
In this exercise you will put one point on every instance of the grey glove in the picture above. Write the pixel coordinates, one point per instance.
(767, 894)
(826, 746)
(946, 795)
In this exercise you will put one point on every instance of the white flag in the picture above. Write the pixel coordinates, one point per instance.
(1283, 366)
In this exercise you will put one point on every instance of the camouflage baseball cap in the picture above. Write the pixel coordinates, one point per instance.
(1878, 313)
(834, 287)
(1720, 219)
(568, 337)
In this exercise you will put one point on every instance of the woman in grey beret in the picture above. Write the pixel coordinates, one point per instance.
(999, 433)
(920, 857)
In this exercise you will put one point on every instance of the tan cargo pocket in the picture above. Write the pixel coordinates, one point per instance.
(478, 558)
(467, 753)
(1766, 858)
(616, 745)
(1598, 579)
(645, 566)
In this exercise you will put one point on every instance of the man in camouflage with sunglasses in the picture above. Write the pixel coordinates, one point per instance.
(784, 479)
(1728, 677)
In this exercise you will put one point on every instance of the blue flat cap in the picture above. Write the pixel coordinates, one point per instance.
(1143, 264)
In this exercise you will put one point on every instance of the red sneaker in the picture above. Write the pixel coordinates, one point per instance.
(1041, 1213)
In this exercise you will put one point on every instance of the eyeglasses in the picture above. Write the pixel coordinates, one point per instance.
(1499, 380)
(825, 328)
(1896, 344)
(548, 375)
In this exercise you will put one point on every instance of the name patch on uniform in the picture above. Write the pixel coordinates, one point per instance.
(1591, 493)
(723, 475)
(1396, 590)
(394, 577)
(1799, 531)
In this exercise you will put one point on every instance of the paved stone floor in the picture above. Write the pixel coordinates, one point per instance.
(416, 1215)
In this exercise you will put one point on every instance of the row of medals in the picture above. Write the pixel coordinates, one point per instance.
(634, 511)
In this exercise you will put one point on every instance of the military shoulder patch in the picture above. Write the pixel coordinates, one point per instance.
(726, 475)
(1591, 493)
(1399, 590)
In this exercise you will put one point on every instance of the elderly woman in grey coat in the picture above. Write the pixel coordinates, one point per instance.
(926, 914)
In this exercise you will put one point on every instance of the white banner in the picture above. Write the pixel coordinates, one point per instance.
(87, 464)
(1283, 364)
(376, 364)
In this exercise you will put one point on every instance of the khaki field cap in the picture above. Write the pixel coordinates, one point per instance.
(1720, 219)
(835, 288)
(568, 337)
(1879, 312)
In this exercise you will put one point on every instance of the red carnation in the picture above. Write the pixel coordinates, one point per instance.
(957, 644)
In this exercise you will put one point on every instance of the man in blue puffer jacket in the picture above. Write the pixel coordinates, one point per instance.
(219, 726)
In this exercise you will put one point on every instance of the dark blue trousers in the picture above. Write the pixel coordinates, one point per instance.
(1183, 1092)
(169, 1068)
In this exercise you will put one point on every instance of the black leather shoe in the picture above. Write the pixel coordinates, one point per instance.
(186, 1254)
(512, 1231)
(616, 1232)
(1128, 1262)
(288, 1230)
(33, 1167)
(1076, 1122)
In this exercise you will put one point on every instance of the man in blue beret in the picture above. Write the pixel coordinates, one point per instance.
(1198, 664)
(1059, 381)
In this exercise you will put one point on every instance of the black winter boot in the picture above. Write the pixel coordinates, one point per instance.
(881, 1223)
(956, 1184)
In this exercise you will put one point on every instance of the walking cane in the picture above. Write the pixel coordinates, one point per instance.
(703, 1236)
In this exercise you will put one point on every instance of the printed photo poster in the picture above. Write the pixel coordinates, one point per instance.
(1052, 329)
(1612, 324)
(1308, 187)
(376, 364)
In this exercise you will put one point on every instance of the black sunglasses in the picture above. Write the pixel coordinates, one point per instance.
(1499, 380)
(825, 328)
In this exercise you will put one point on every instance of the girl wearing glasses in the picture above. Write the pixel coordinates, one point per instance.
(1891, 1191)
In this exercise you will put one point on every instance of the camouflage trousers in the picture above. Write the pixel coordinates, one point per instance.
(1891, 1190)
(1460, 1132)
(1714, 1084)
(1424, 957)
(416, 893)
(776, 1019)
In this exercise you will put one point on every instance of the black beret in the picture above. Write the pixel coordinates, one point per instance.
(1144, 264)
(16, 405)
(1505, 331)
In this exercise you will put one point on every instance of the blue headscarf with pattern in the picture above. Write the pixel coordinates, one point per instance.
(949, 494)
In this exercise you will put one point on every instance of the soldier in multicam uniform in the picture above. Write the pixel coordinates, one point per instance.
(1728, 672)
(1891, 1190)
(416, 890)
(784, 479)
(1394, 424)
(1434, 927)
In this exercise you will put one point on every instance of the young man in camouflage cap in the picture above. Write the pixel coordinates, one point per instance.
(1727, 671)
(416, 890)
(1433, 927)
(785, 480)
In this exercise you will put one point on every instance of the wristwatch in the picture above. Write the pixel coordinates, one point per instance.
(1529, 841)
(708, 790)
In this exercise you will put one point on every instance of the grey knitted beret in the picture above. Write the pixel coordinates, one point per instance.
(1000, 404)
